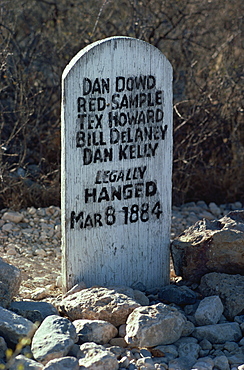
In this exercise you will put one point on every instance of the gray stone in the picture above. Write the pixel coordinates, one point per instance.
(33, 311)
(3, 347)
(185, 340)
(14, 327)
(221, 363)
(219, 243)
(169, 351)
(141, 298)
(10, 276)
(209, 311)
(98, 303)
(12, 216)
(94, 356)
(236, 359)
(180, 295)
(64, 363)
(154, 325)
(204, 363)
(135, 294)
(231, 346)
(219, 333)
(22, 362)
(188, 329)
(189, 350)
(5, 295)
(230, 288)
(205, 344)
(53, 339)
(181, 363)
(97, 331)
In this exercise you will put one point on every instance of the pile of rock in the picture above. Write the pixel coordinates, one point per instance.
(122, 328)
(194, 323)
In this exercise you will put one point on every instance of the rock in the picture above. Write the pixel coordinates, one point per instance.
(230, 288)
(10, 276)
(219, 333)
(12, 216)
(33, 311)
(135, 294)
(22, 362)
(209, 311)
(64, 363)
(97, 331)
(205, 363)
(118, 342)
(5, 295)
(154, 325)
(181, 363)
(190, 350)
(169, 351)
(237, 358)
(181, 295)
(53, 339)
(145, 363)
(141, 298)
(76, 288)
(94, 356)
(14, 327)
(221, 363)
(210, 246)
(98, 303)
(3, 347)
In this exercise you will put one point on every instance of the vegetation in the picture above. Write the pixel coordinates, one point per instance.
(202, 40)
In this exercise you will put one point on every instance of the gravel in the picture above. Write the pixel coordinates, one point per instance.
(31, 240)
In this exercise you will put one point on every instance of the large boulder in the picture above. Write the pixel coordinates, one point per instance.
(151, 326)
(210, 246)
(99, 303)
(14, 327)
(53, 339)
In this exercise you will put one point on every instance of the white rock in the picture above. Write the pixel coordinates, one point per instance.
(22, 362)
(64, 363)
(31, 210)
(151, 326)
(94, 356)
(145, 362)
(209, 311)
(39, 293)
(99, 303)
(40, 252)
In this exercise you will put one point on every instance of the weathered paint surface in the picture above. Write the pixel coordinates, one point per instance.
(116, 165)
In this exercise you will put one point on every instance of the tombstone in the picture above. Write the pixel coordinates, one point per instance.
(116, 165)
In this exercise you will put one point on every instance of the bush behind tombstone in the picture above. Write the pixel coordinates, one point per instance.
(201, 40)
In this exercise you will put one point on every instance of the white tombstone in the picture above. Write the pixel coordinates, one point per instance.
(116, 165)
